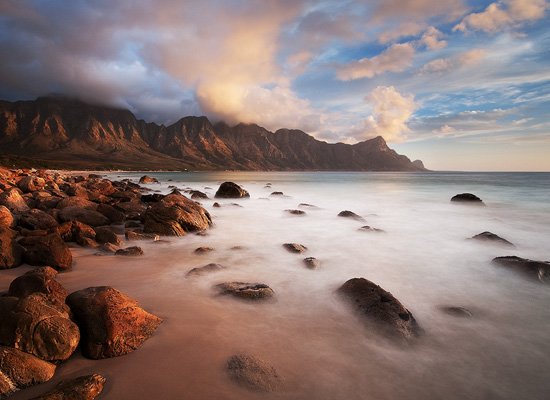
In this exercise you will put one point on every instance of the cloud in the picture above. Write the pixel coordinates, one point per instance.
(396, 58)
(432, 39)
(445, 65)
(501, 15)
(444, 130)
(407, 28)
(390, 113)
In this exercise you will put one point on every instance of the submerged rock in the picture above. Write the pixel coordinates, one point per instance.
(205, 269)
(350, 214)
(253, 373)
(247, 291)
(380, 308)
(277, 194)
(231, 190)
(368, 228)
(306, 205)
(132, 235)
(112, 323)
(295, 247)
(539, 270)
(86, 387)
(312, 262)
(296, 212)
(132, 251)
(457, 311)
(203, 250)
(491, 237)
(467, 198)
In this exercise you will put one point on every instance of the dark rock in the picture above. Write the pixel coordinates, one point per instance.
(78, 202)
(247, 291)
(296, 212)
(216, 204)
(75, 231)
(152, 198)
(312, 262)
(84, 215)
(34, 325)
(379, 307)
(230, 190)
(36, 219)
(277, 194)
(6, 218)
(147, 179)
(95, 176)
(48, 250)
(457, 311)
(196, 194)
(491, 237)
(105, 234)
(133, 224)
(112, 324)
(130, 251)
(114, 215)
(131, 235)
(305, 205)
(253, 373)
(203, 250)
(11, 253)
(350, 214)
(13, 200)
(205, 269)
(175, 215)
(295, 247)
(108, 248)
(19, 370)
(539, 270)
(31, 184)
(86, 387)
(467, 198)
(368, 228)
(132, 208)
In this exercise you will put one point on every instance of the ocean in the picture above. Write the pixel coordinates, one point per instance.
(319, 347)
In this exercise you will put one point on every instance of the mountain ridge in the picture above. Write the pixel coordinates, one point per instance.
(68, 133)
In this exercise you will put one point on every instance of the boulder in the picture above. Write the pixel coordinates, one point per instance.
(203, 250)
(105, 234)
(147, 179)
(133, 251)
(13, 200)
(36, 219)
(74, 231)
(246, 291)
(351, 215)
(175, 215)
(114, 215)
(152, 198)
(197, 194)
(31, 184)
(379, 308)
(112, 324)
(6, 218)
(253, 373)
(295, 247)
(539, 270)
(491, 237)
(86, 387)
(132, 235)
(11, 253)
(133, 208)
(40, 280)
(34, 325)
(19, 370)
(78, 202)
(467, 198)
(367, 228)
(230, 190)
(84, 215)
(48, 250)
(205, 269)
(306, 205)
(312, 262)
(296, 212)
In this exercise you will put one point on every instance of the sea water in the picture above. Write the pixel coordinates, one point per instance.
(319, 347)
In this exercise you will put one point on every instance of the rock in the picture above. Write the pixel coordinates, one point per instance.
(48, 250)
(104, 234)
(368, 228)
(130, 251)
(350, 214)
(295, 247)
(114, 215)
(296, 212)
(6, 218)
(457, 311)
(277, 194)
(203, 250)
(133, 224)
(147, 179)
(112, 324)
(95, 176)
(131, 235)
(84, 215)
(31, 184)
(216, 204)
(108, 248)
(152, 198)
(34, 325)
(253, 373)
(380, 308)
(36, 219)
(175, 215)
(467, 198)
(132, 208)
(205, 269)
(306, 205)
(312, 262)
(40, 280)
(86, 387)
(539, 270)
(19, 370)
(491, 237)
(247, 291)
(230, 190)
(87, 242)
(13, 200)
(11, 253)
(75, 231)
(196, 194)
(78, 202)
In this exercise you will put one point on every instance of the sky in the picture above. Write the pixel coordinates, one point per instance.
(459, 84)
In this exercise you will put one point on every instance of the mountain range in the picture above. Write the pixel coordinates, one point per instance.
(58, 132)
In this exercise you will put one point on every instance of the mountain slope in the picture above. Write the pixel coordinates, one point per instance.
(67, 133)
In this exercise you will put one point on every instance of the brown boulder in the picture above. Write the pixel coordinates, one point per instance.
(11, 253)
(246, 291)
(48, 250)
(133, 251)
(175, 215)
(6, 218)
(84, 215)
(253, 373)
(34, 325)
(105, 234)
(114, 215)
(132, 235)
(312, 262)
(86, 387)
(112, 324)
(133, 208)
(350, 214)
(36, 219)
(147, 179)
(539, 270)
(295, 247)
(205, 269)
(31, 184)
(379, 308)
(75, 201)
(19, 370)
(74, 231)
(230, 190)
(13, 200)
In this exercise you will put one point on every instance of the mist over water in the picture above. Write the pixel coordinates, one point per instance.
(313, 339)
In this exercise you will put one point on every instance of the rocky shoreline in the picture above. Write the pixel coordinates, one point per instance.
(43, 325)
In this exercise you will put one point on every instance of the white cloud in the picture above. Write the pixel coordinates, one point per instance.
(432, 39)
(396, 58)
(444, 65)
